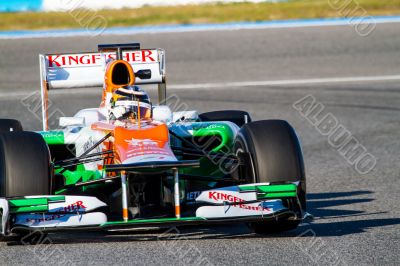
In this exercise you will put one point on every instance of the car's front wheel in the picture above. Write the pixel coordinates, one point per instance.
(275, 157)
(24, 165)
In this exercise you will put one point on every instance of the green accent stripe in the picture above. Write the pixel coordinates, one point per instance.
(24, 205)
(28, 202)
(272, 191)
(60, 191)
(23, 202)
(277, 188)
(154, 221)
(38, 208)
(247, 188)
(269, 188)
(56, 198)
(277, 195)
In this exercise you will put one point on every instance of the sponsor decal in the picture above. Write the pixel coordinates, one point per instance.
(141, 142)
(192, 195)
(240, 206)
(89, 143)
(44, 218)
(74, 207)
(240, 210)
(77, 206)
(97, 59)
(146, 150)
(215, 126)
(215, 195)
(53, 137)
(226, 194)
(74, 204)
(260, 207)
(223, 197)
(60, 220)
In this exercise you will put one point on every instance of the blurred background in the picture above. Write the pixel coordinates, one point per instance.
(69, 14)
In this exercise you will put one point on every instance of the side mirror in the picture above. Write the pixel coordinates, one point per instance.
(72, 121)
(162, 113)
(143, 74)
(185, 116)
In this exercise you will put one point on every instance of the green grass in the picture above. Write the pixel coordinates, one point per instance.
(191, 14)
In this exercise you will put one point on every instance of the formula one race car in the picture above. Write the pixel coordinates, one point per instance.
(131, 164)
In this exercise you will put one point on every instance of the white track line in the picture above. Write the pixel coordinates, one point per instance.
(285, 82)
(83, 91)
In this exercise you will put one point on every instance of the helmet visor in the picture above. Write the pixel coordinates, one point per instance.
(135, 108)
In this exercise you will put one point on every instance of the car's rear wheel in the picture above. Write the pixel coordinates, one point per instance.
(235, 116)
(10, 125)
(24, 165)
(275, 157)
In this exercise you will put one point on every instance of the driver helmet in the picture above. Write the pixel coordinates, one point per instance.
(130, 102)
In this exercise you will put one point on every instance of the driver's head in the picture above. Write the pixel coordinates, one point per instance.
(130, 103)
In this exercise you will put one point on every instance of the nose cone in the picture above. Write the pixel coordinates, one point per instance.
(143, 145)
(147, 150)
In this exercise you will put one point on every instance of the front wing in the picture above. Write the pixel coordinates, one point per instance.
(243, 203)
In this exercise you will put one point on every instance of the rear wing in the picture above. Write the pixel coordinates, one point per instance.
(86, 70)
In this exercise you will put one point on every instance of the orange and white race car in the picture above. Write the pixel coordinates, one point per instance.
(133, 163)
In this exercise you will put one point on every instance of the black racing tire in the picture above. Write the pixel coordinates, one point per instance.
(235, 116)
(24, 165)
(10, 125)
(275, 157)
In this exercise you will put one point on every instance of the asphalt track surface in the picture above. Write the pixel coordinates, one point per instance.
(357, 216)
